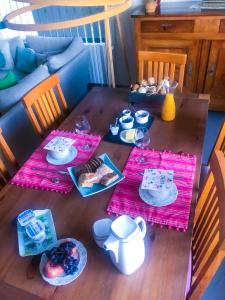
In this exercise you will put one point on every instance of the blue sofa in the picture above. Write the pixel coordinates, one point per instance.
(74, 78)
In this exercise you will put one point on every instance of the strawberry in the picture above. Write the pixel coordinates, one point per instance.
(51, 270)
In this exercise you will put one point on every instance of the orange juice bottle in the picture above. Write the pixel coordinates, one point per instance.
(169, 108)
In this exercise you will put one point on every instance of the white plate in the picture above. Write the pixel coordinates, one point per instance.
(122, 137)
(71, 155)
(65, 279)
(147, 198)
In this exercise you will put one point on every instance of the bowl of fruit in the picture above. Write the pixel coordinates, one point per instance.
(64, 262)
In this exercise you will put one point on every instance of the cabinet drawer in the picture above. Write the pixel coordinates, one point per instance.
(222, 26)
(167, 26)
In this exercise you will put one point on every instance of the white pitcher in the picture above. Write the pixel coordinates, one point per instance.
(126, 243)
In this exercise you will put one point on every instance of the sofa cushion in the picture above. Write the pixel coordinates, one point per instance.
(7, 60)
(41, 58)
(25, 60)
(55, 62)
(8, 81)
(10, 96)
(49, 45)
(13, 44)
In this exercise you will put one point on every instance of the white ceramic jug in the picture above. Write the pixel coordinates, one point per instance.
(126, 243)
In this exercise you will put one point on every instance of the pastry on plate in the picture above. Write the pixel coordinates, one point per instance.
(103, 170)
(88, 179)
(89, 167)
(109, 178)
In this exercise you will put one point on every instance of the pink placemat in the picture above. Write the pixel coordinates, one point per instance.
(126, 199)
(28, 177)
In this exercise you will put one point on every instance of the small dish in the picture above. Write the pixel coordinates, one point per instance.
(149, 199)
(126, 122)
(65, 279)
(71, 155)
(141, 116)
(97, 188)
(101, 230)
(123, 135)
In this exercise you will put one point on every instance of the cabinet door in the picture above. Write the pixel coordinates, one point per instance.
(215, 75)
(191, 48)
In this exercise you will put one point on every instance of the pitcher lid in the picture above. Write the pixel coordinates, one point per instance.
(124, 227)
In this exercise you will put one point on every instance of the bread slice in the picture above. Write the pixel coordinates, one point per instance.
(88, 179)
(109, 178)
(103, 170)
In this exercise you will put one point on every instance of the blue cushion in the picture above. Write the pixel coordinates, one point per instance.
(5, 51)
(50, 45)
(214, 123)
(55, 62)
(25, 60)
(2, 60)
(10, 96)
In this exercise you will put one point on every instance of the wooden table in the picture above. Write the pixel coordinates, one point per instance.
(163, 274)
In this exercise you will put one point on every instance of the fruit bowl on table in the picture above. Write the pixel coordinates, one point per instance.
(63, 262)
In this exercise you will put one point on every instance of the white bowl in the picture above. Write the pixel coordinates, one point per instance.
(126, 112)
(142, 116)
(101, 231)
(59, 154)
(161, 195)
(126, 122)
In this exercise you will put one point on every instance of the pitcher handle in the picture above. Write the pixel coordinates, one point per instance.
(141, 221)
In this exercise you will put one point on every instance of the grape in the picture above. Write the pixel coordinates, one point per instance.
(61, 255)
(70, 265)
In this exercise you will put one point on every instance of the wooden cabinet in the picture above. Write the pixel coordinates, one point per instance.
(201, 37)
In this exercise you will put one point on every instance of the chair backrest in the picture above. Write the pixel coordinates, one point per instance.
(4, 174)
(208, 241)
(45, 104)
(160, 65)
(220, 142)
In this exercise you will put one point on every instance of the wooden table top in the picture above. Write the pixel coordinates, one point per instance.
(163, 274)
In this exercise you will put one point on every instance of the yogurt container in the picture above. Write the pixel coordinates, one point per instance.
(34, 228)
(36, 231)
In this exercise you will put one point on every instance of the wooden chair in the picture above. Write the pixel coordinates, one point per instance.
(219, 145)
(220, 141)
(160, 65)
(4, 173)
(208, 241)
(44, 107)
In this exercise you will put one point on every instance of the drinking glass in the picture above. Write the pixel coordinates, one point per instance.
(142, 140)
(82, 126)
